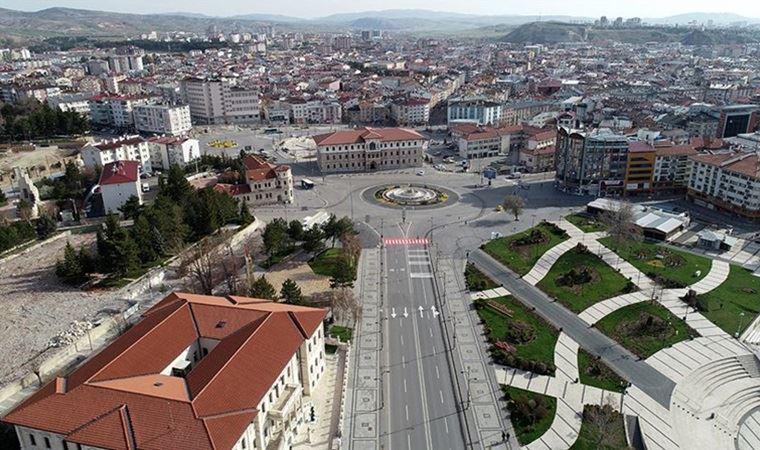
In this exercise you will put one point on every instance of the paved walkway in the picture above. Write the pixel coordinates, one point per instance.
(326, 400)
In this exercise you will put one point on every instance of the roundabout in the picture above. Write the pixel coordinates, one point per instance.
(410, 195)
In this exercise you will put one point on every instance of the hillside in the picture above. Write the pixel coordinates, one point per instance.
(557, 32)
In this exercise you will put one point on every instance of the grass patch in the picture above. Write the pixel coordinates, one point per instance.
(671, 268)
(331, 349)
(594, 372)
(277, 258)
(526, 428)
(477, 280)
(645, 328)
(539, 349)
(324, 263)
(522, 258)
(580, 279)
(585, 223)
(601, 429)
(724, 304)
(343, 334)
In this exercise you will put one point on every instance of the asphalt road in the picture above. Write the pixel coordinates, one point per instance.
(639, 373)
(420, 410)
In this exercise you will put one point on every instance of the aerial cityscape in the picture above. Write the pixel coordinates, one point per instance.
(400, 226)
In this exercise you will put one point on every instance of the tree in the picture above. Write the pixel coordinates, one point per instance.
(131, 208)
(262, 288)
(290, 293)
(245, 214)
(604, 426)
(201, 264)
(148, 242)
(352, 248)
(344, 273)
(514, 204)
(24, 209)
(69, 268)
(313, 240)
(176, 186)
(117, 251)
(345, 306)
(275, 237)
(621, 223)
(334, 228)
(295, 230)
(3, 198)
(45, 226)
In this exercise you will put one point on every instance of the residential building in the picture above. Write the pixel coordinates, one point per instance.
(738, 119)
(167, 151)
(197, 372)
(217, 101)
(163, 119)
(119, 181)
(411, 111)
(727, 181)
(314, 111)
(672, 167)
(590, 162)
(369, 149)
(126, 148)
(477, 111)
(476, 142)
(114, 111)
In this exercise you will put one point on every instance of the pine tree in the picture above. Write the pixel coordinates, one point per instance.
(262, 288)
(290, 293)
(245, 214)
(144, 238)
(69, 268)
(45, 226)
(343, 274)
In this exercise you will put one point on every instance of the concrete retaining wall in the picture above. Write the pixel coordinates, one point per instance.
(337, 443)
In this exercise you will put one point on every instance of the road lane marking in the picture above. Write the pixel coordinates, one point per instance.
(406, 409)
(434, 349)
(404, 385)
(437, 375)
(440, 392)
(409, 441)
(431, 332)
(402, 339)
(446, 424)
(403, 362)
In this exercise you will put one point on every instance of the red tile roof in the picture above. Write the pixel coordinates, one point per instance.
(742, 163)
(360, 135)
(118, 399)
(120, 172)
(259, 170)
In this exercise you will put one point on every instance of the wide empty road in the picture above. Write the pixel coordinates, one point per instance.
(420, 410)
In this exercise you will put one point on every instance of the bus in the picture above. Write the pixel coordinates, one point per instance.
(307, 184)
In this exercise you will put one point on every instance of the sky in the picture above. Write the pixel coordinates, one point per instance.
(319, 8)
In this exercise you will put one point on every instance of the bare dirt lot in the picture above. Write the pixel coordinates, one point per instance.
(35, 306)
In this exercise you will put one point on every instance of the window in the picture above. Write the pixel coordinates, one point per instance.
(243, 443)
(32, 440)
(47, 442)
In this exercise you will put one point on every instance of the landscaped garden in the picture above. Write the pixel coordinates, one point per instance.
(602, 429)
(343, 334)
(325, 262)
(477, 280)
(669, 267)
(580, 279)
(521, 251)
(723, 306)
(586, 223)
(518, 337)
(531, 414)
(594, 372)
(645, 328)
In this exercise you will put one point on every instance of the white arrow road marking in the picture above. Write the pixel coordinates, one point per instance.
(393, 312)
(435, 313)
(421, 311)
(406, 314)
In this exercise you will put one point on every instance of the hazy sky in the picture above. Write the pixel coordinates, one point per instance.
(316, 8)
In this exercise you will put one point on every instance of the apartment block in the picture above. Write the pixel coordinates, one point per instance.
(162, 119)
(727, 181)
(126, 148)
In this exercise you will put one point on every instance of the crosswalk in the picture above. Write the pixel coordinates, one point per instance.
(406, 241)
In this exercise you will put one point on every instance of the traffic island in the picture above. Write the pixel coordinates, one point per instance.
(410, 195)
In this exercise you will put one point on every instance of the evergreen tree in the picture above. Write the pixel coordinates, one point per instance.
(295, 230)
(176, 186)
(262, 288)
(275, 237)
(290, 293)
(131, 208)
(343, 274)
(69, 268)
(3, 198)
(146, 240)
(45, 226)
(245, 214)
(313, 240)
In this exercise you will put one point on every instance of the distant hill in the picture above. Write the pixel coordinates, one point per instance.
(716, 18)
(557, 32)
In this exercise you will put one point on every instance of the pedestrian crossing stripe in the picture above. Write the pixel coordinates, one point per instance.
(406, 241)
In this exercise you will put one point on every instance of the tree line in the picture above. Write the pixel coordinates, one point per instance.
(179, 215)
(34, 120)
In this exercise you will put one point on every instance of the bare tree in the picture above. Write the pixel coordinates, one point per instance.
(231, 265)
(604, 424)
(621, 223)
(201, 263)
(345, 306)
(351, 247)
(514, 204)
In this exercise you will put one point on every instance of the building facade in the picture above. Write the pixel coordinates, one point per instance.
(369, 150)
(162, 119)
(167, 151)
(727, 181)
(119, 181)
(589, 161)
(127, 148)
(196, 372)
(479, 112)
(217, 101)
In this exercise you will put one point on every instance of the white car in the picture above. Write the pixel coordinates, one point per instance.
(145, 187)
(420, 172)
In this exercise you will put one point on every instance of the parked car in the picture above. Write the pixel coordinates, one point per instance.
(145, 187)
(420, 172)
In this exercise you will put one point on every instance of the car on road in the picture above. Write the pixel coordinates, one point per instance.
(440, 167)
(145, 187)
(514, 175)
(420, 173)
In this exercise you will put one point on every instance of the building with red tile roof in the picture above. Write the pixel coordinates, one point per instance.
(369, 149)
(197, 372)
(119, 181)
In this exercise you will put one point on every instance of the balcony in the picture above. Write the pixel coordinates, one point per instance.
(287, 401)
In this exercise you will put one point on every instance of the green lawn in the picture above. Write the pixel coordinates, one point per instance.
(585, 223)
(606, 434)
(522, 259)
(324, 263)
(739, 293)
(645, 344)
(477, 280)
(528, 432)
(594, 372)
(539, 349)
(343, 334)
(605, 281)
(278, 257)
(668, 264)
